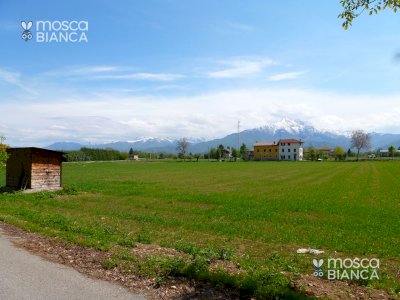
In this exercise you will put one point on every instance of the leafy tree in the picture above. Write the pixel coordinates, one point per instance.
(392, 151)
(197, 156)
(218, 154)
(188, 156)
(350, 153)
(354, 8)
(3, 152)
(243, 151)
(182, 147)
(320, 154)
(212, 153)
(131, 153)
(340, 154)
(311, 153)
(220, 151)
(235, 153)
(360, 140)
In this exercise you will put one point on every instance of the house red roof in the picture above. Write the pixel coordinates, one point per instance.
(324, 149)
(265, 144)
(290, 141)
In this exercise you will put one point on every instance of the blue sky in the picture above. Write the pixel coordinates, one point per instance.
(193, 68)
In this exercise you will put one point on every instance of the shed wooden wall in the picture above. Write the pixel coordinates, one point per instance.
(46, 170)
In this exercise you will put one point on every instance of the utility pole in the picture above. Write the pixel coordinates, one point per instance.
(238, 133)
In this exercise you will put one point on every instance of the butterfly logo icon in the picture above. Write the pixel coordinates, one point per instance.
(26, 35)
(318, 270)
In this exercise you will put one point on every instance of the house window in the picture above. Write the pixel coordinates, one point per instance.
(288, 150)
(294, 150)
(269, 150)
(264, 150)
(288, 157)
(283, 150)
(288, 144)
(276, 150)
(258, 150)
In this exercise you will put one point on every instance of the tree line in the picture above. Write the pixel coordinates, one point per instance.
(220, 152)
(94, 154)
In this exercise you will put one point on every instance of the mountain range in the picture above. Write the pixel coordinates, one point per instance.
(283, 129)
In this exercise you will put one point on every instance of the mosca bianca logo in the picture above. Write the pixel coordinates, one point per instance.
(26, 35)
(56, 31)
(347, 268)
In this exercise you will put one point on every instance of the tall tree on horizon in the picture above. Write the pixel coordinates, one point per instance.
(392, 151)
(360, 140)
(243, 151)
(182, 147)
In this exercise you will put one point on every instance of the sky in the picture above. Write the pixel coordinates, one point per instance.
(191, 68)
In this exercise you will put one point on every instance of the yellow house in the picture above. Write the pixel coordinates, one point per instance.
(266, 151)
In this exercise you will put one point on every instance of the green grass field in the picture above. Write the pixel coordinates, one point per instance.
(256, 214)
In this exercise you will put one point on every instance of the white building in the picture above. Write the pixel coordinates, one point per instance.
(290, 149)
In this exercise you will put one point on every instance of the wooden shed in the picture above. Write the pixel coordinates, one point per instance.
(34, 169)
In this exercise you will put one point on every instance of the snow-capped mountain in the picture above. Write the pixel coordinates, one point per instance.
(285, 128)
(140, 144)
(287, 125)
(273, 132)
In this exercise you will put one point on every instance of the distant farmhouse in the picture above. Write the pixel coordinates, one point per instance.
(386, 153)
(284, 149)
(326, 151)
(226, 153)
(266, 151)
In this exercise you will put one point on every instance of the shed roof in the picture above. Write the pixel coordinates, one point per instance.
(35, 148)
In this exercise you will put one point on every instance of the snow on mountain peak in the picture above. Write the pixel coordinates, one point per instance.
(288, 125)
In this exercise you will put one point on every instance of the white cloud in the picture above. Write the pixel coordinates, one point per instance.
(14, 78)
(111, 117)
(241, 67)
(98, 69)
(240, 26)
(110, 72)
(285, 76)
(82, 71)
(142, 76)
(10, 77)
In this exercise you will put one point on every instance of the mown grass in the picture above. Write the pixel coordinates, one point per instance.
(256, 214)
